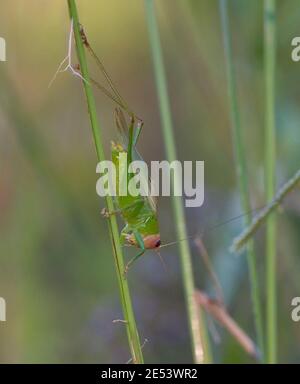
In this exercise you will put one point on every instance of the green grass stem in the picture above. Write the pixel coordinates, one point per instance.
(130, 323)
(241, 168)
(196, 324)
(270, 170)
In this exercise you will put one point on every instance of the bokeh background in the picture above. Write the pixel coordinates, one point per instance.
(57, 272)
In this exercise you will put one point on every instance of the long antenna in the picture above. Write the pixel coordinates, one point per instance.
(209, 229)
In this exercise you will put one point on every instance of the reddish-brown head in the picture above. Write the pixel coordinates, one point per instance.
(152, 241)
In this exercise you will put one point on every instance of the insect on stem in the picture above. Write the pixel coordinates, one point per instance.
(125, 295)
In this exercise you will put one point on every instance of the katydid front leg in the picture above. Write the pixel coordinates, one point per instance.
(141, 244)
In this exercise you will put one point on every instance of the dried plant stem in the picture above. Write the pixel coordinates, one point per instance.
(199, 342)
(217, 310)
(130, 323)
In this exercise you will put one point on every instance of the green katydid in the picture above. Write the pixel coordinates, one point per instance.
(139, 212)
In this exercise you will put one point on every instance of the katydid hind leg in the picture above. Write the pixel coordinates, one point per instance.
(137, 132)
(130, 140)
(100, 65)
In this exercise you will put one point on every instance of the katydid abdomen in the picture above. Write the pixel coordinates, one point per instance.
(141, 229)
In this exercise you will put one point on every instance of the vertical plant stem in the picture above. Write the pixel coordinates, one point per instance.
(132, 332)
(241, 168)
(200, 349)
(270, 169)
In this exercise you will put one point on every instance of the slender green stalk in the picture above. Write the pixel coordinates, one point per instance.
(200, 348)
(132, 332)
(270, 144)
(261, 217)
(241, 169)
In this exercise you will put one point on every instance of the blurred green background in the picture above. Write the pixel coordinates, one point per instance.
(57, 271)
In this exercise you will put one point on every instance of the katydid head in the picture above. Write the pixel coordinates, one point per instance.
(152, 241)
